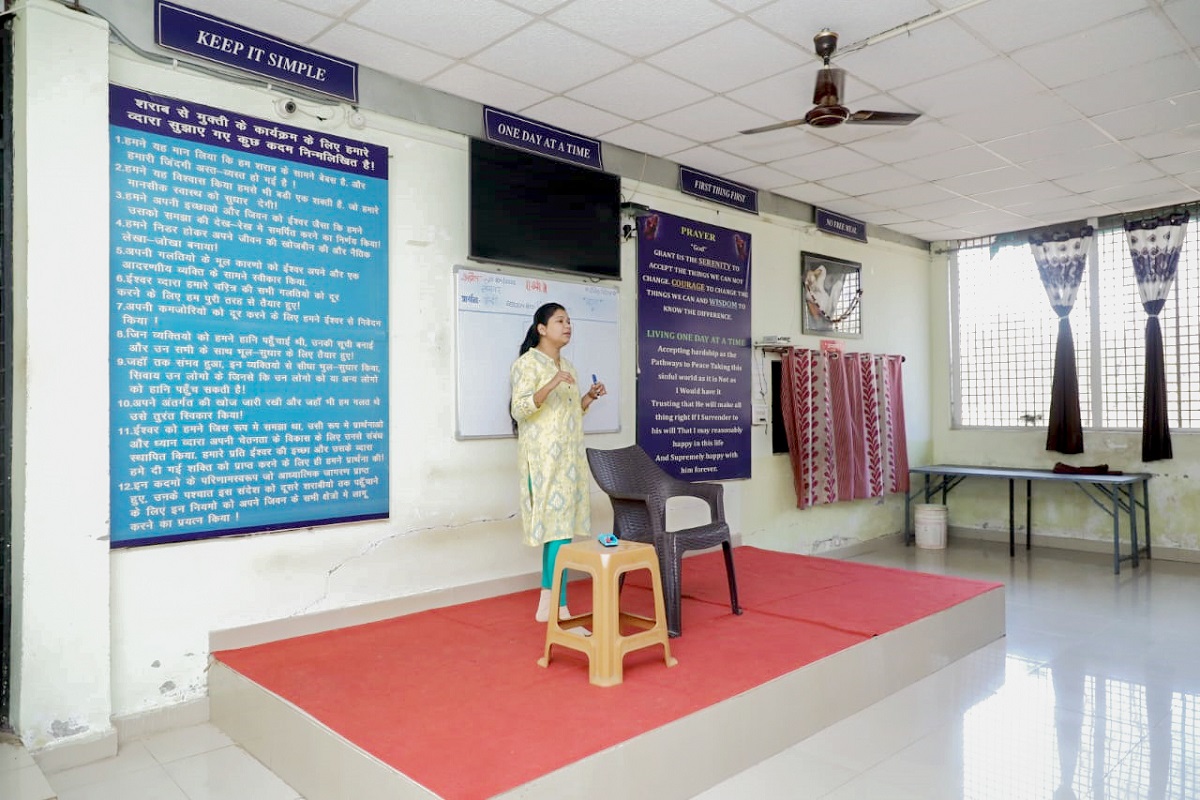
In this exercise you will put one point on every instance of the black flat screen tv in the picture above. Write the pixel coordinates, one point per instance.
(532, 211)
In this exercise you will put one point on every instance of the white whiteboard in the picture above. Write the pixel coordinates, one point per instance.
(493, 312)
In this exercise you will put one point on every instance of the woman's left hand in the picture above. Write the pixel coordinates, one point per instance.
(597, 390)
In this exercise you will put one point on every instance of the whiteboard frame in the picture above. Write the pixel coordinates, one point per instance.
(505, 302)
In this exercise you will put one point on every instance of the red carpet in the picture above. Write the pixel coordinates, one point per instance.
(454, 699)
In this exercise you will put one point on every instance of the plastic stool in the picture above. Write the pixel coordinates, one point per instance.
(606, 647)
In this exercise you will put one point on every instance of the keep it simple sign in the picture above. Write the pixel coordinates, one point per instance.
(213, 39)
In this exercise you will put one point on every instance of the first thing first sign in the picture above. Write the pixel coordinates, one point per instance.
(213, 39)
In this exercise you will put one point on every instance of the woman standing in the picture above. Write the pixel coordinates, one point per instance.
(548, 411)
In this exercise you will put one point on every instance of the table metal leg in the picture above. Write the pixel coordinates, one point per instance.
(928, 494)
(1012, 528)
(1133, 523)
(1146, 508)
(1116, 515)
(1028, 513)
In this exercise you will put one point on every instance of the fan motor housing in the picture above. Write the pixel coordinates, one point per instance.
(827, 116)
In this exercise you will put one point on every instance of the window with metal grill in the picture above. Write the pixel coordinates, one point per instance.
(1005, 333)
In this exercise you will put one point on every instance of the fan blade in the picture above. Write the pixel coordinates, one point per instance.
(881, 118)
(830, 83)
(776, 126)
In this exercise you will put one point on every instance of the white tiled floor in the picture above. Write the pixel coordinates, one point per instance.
(1093, 695)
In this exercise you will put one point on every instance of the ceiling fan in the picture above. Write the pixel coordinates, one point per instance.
(827, 108)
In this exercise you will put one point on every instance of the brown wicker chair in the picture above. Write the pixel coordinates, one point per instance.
(639, 489)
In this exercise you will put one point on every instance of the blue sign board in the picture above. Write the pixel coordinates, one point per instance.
(694, 354)
(718, 190)
(525, 134)
(839, 225)
(249, 324)
(213, 39)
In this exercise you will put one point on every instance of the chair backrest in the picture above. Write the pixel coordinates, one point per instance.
(626, 470)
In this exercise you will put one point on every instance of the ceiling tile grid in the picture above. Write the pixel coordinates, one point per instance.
(1033, 112)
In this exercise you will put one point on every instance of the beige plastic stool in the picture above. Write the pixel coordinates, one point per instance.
(606, 647)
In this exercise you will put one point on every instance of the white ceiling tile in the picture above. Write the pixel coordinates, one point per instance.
(871, 180)
(330, 8)
(908, 196)
(945, 208)
(1061, 138)
(645, 139)
(574, 117)
(1081, 161)
(1037, 111)
(921, 138)
(379, 52)
(1099, 51)
(744, 6)
(851, 206)
(271, 16)
(732, 55)
(932, 232)
(1179, 164)
(1098, 179)
(1185, 14)
(638, 91)
(1192, 179)
(888, 217)
(1140, 83)
(1129, 191)
(963, 161)
(812, 193)
(1168, 143)
(988, 180)
(1021, 195)
(1156, 200)
(637, 29)
(800, 20)
(487, 88)
(774, 146)
(1012, 24)
(1140, 120)
(827, 162)
(549, 57)
(986, 222)
(709, 120)
(455, 28)
(976, 86)
(761, 177)
(921, 54)
(1066, 209)
(711, 160)
(534, 6)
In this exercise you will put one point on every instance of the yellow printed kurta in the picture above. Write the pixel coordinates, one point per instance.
(555, 501)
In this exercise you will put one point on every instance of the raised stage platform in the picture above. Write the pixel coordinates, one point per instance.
(450, 703)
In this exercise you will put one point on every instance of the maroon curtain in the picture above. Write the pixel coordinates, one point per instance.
(1154, 246)
(1061, 258)
(844, 418)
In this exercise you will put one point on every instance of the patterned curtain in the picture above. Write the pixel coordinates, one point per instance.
(1154, 245)
(844, 418)
(1062, 261)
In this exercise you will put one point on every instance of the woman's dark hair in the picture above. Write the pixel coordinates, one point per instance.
(532, 337)
(540, 317)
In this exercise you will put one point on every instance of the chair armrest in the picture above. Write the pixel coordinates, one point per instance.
(711, 493)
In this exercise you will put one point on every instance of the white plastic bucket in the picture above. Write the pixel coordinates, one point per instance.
(929, 521)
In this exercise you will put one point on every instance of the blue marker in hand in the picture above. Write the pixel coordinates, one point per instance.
(593, 377)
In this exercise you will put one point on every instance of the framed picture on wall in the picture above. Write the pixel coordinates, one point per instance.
(830, 291)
